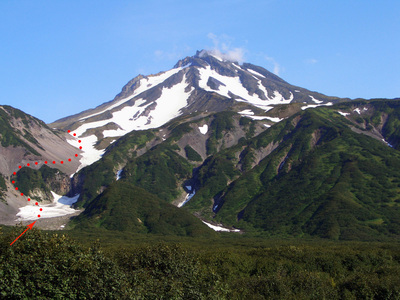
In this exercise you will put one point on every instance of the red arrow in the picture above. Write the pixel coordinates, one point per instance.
(29, 227)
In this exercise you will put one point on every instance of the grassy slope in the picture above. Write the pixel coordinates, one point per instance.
(125, 207)
(346, 186)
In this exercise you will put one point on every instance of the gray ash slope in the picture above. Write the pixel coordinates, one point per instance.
(25, 140)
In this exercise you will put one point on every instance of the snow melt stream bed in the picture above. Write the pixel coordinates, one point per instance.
(61, 206)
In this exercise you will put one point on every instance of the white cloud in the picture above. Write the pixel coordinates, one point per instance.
(277, 67)
(222, 48)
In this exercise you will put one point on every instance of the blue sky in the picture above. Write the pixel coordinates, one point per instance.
(58, 58)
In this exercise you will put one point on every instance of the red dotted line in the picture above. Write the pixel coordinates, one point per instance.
(45, 162)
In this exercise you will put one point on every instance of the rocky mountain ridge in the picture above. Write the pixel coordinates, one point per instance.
(201, 83)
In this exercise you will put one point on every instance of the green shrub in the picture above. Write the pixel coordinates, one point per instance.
(191, 154)
(54, 267)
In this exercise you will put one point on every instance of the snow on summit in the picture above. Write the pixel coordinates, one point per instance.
(148, 102)
(135, 117)
(233, 85)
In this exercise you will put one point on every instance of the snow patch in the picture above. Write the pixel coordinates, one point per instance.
(61, 206)
(220, 228)
(316, 105)
(344, 114)
(255, 73)
(357, 110)
(248, 112)
(266, 125)
(315, 100)
(232, 85)
(144, 84)
(186, 66)
(90, 154)
(257, 118)
(276, 120)
(203, 129)
(390, 145)
(119, 174)
(168, 106)
(187, 199)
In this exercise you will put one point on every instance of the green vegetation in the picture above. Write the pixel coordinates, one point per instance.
(160, 171)
(101, 174)
(221, 123)
(125, 207)
(95, 178)
(323, 179)
(27, 180)
(3, 188)
(212, 178)
(316, 173)
(42, 265)
(178, 130)
(249, 125)
(381, 115)
(191, 154)
(54, 267)
(126, 145)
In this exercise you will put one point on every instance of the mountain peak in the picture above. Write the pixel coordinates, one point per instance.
(234, 56)
(211, 56)
(209, 81)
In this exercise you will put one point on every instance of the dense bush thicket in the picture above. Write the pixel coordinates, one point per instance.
(41, 265)
(191, 154)
(53, 267)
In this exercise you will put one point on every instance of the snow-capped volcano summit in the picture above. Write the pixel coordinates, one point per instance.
(205, 82)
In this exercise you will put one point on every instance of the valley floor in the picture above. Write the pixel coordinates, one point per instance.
(132, 266)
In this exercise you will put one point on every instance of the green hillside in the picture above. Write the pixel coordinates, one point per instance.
(323, 179)
(125, 207)
(321, 172)
(161, 170)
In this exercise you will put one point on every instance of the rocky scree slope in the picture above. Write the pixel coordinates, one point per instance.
(25, 140)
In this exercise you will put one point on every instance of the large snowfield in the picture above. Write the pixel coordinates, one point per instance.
(61, 206)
